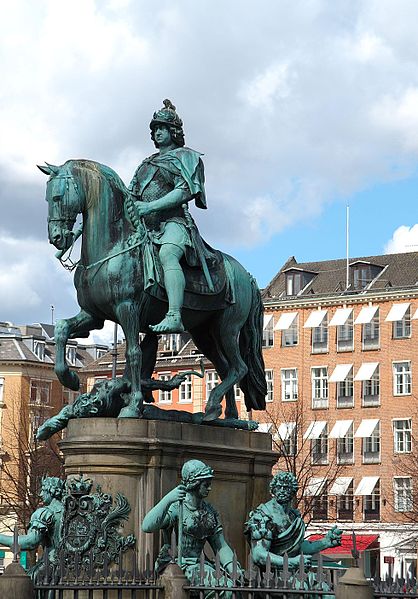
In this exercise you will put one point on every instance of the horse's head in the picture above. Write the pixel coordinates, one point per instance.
(64, 203)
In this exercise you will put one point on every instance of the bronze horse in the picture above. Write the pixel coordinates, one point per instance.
(109, 280)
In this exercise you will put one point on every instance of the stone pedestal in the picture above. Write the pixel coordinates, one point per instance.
(142, 459)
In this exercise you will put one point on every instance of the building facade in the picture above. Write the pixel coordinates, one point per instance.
(29, 394)
(341, 355)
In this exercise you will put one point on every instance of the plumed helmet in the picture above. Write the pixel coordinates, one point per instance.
(193, 472)
(167, 115)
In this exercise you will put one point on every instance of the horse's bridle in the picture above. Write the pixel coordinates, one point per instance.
(67, 221)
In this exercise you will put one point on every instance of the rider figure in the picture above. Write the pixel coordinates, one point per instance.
(164, 183)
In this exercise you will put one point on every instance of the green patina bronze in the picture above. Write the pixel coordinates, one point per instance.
(195, 522)
(144, 265)
(73, 520)
(107, 398)
(275, 528)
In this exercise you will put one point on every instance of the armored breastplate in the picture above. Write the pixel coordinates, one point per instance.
(158, 187)
(199, 524)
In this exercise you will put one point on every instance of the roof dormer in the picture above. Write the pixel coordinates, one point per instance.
(297, 279)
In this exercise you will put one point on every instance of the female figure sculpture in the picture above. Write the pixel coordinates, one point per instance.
(185, 507)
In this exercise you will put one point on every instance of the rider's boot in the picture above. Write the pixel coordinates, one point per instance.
(174, 283)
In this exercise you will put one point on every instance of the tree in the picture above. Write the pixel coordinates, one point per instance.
(25, 461)
(307, 459)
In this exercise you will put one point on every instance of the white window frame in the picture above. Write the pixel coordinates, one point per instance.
(211, 380)
(402, 379)
(39, 385)
(268, 335)
(290, 384)
(164, 397)
(401, 329)
(290, 336)
(71, 354)
(371, 388)
(370, 333)
(402, 436)
(345, 335)
(402, 494)
(371, 447)
(269, 374)
(345, 447)
(186, 390)
(320, 400)
(345, 392)
(320, 337)
(321, 443)
(39, 349)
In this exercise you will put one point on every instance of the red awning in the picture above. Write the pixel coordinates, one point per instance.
(363, 542)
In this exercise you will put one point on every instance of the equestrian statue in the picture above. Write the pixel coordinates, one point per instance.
(144, 265)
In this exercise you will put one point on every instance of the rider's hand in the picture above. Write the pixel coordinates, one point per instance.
(333, 537)
(177, 494)
(142, 208)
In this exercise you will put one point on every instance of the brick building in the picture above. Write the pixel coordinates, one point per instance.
(29, 394)
(341, 357)
(176, 354)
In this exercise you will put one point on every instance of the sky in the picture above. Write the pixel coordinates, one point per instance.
(301, 107)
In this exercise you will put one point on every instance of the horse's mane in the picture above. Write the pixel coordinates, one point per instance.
(91, 175)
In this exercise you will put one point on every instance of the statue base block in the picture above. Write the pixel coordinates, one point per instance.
(142, 460)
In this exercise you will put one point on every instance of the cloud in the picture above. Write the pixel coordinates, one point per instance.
(31, 282)
(294, 105)
(404, 239)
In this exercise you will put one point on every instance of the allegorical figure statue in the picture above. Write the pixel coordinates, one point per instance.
(164, 184)
(275, 528)
(195, 522)
(45, 522)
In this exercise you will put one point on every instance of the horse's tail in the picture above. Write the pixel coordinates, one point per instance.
(254, 383)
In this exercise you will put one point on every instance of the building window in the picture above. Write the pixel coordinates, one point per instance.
(319, 448)
(345, 448)
(71, 354)
(320, 337)
(270, 385)
(39, 349)
(345, 335)
(320, 387)
(402, 378)
(268, 331)
(185, 390)
(402, 488)
(40, 392)
(212, 379)
(370, 390)
(164, 396)
(290, 335)
(345, 504)
(171, 342)
(237, 393)
(401, 329)
(371, 447)
(289, 384)
(285, 439)
(371, 504)
(68, 396)
(361, 275)
(1, 390)
(345, 397)
(320, 506)
(371, 333)
(402, 435)
(294, 283)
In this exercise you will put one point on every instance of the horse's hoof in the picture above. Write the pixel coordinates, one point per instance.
(212, 413)
(128, 412)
